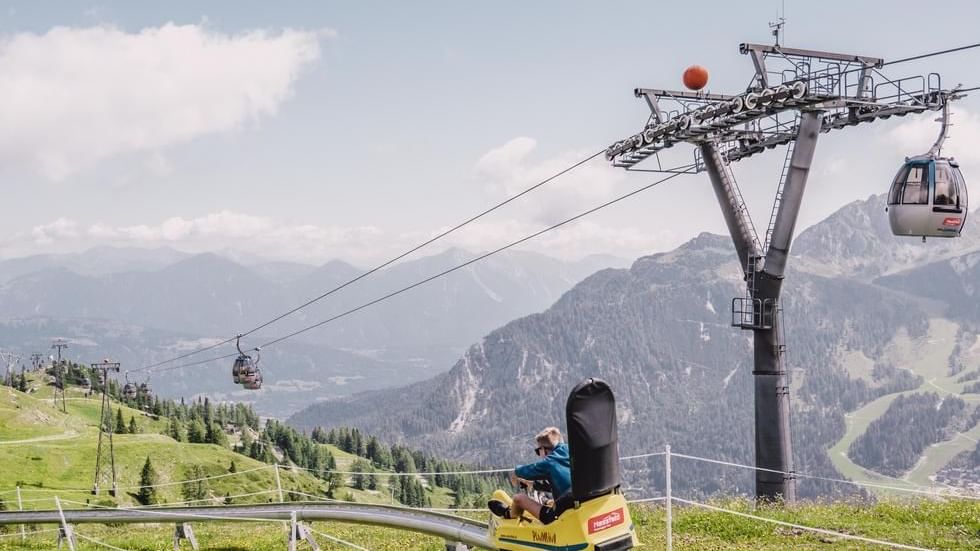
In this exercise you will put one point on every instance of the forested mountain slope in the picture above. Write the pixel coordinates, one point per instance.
(659, 333)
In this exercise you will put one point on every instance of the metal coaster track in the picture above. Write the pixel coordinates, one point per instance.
(449, 527)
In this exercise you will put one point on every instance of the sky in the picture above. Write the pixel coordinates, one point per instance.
(311, 131)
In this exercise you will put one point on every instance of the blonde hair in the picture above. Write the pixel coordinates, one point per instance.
(549, 437)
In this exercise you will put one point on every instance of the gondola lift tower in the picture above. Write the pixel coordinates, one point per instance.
(794, 96)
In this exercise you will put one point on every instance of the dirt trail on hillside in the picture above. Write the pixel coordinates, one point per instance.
(63, 436)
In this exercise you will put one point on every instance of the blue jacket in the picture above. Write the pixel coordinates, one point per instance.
(555, 468)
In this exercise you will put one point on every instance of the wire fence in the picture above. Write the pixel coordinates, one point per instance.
(335, 539)
(667, 500)
(907, 488)
(913, 489)
(842, 535)
(99, 542)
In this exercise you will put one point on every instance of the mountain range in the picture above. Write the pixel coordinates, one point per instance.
(868, 317)
(142, 307)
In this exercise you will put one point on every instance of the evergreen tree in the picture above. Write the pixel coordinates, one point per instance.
(318, 435)
(22, 382)
(195, 487)
(196, 432)
(120, 424)
(246, 442)
(147, 494)
(133, 427)
(209, 430)
(214, 435)
(174, 431)
(373, 451)
(359, 478)
(232, 468)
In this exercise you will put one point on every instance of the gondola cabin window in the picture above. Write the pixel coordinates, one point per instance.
(916, 190)
(946, 192)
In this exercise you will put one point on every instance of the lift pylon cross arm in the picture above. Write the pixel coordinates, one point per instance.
(849, 88)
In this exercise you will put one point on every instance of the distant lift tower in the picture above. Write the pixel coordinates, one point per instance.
(794, 96)
(105, 457)
(59, 374)
(10, 360)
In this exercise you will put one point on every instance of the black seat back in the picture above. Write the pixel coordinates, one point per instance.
(593, 443)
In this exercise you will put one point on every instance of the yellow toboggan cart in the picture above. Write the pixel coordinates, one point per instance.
(594, 516)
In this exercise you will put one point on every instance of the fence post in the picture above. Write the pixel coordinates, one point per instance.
(69, 536)
(20, 507)
(670, 517)
(292, 528)
(279, 484)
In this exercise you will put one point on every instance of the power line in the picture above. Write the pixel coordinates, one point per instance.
(930, 54)
(384, 264)
(474, 260)
(449, 231)
(920, 56)
(440, 274)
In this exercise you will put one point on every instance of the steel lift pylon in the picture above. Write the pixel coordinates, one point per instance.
(793, 97)
(105, 455)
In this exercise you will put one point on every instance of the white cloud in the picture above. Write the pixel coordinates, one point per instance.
(916, 135)
(363, 245)
(60, 230)
(264, 237)
(507, 170)
(72, 97)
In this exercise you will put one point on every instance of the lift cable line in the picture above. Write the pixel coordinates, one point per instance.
(471, 219)
(438, 275)
(386, 263)
(917, 57)
(931, 54)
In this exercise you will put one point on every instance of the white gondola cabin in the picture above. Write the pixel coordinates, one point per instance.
(928, 197)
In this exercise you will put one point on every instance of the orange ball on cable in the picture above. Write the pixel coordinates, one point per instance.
(695, 77)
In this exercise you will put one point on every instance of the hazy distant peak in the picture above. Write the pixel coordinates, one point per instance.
(339, 265)
(206, 260)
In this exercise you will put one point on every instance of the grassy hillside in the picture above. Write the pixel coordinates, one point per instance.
(44, 449)
(46, 452)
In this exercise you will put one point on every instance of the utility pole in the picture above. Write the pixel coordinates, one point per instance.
(59, 375)
(105, 457)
